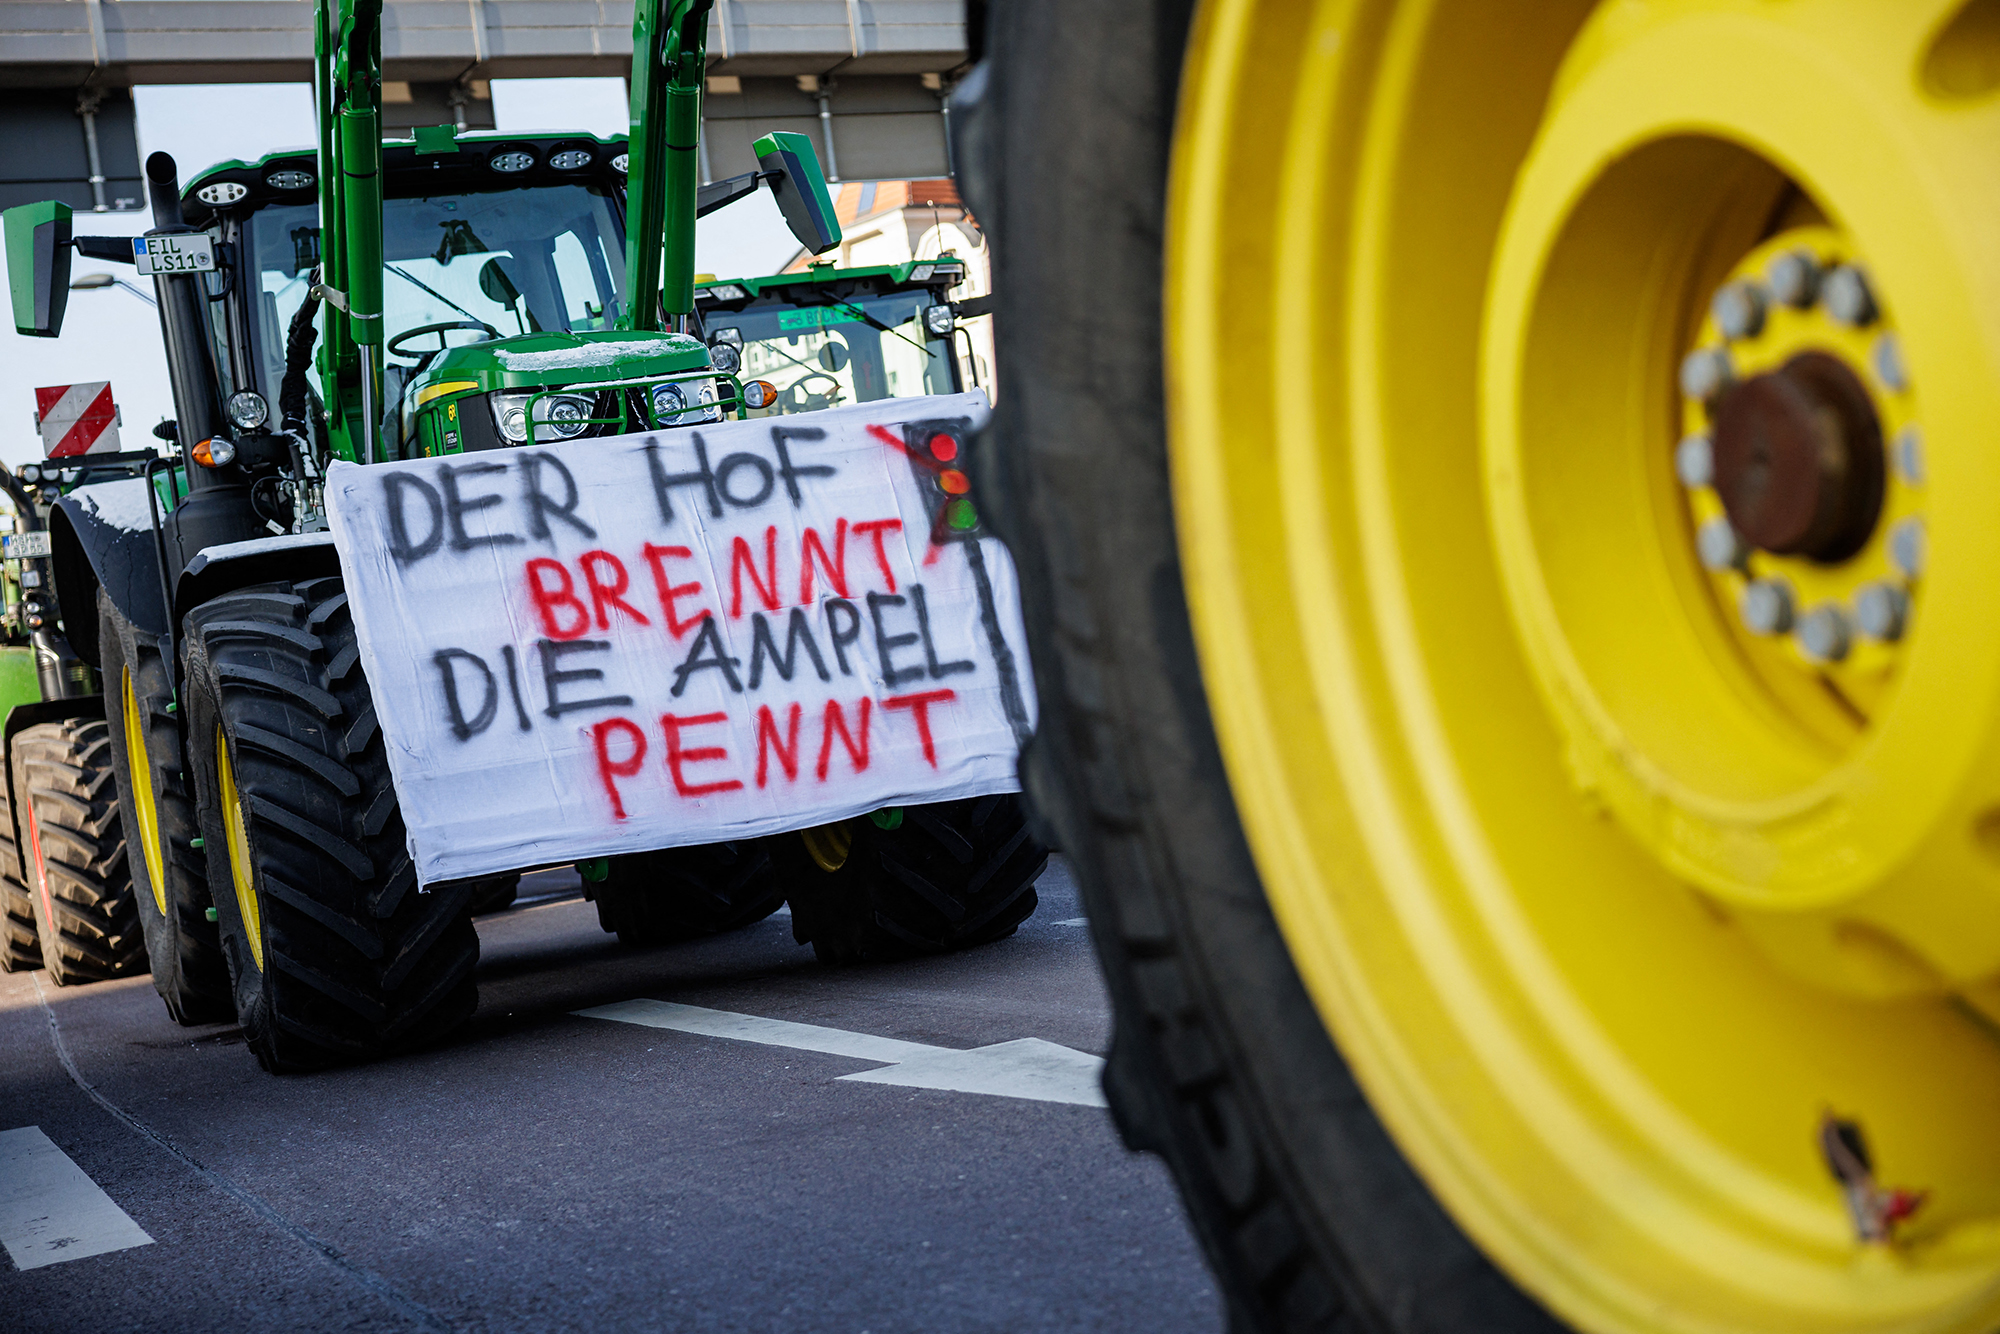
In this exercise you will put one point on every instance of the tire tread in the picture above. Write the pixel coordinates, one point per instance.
(657, 898)
(88, 926)
(359, 962)
(952, 875)
(182, 945)
(1310, 1216)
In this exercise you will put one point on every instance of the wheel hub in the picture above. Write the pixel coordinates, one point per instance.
(1798, 459)
(1795, 397)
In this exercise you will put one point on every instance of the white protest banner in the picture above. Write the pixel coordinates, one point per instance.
(613, 645)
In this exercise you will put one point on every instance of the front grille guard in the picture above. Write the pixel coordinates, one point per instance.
(625, 392)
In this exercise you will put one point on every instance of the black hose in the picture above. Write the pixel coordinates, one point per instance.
(276, 500)
(292, 389)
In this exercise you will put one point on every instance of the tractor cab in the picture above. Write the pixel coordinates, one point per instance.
(504, 283)
(829, 336)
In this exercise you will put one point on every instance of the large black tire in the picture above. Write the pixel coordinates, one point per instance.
(20, 945)
(655, 898)
(174, 907)
(495, 893)
(1311, 1216)
(948, 876)
(334, 953)
(85, 917)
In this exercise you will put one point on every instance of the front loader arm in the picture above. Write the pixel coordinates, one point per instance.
(669, 55)
(347, 87)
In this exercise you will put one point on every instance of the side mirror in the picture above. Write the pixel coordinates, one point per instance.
(38, 259)
(800, 189)
(497, 286)
(832, 357)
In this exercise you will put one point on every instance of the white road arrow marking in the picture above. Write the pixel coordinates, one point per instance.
(50, 1209)
(1025, 1068)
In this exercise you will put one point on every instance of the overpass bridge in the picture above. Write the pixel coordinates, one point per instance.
(866, 79)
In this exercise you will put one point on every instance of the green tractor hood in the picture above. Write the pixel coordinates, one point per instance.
(600, 382)
(539, 360)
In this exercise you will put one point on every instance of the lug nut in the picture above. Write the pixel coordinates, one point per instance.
(1706, 372)
(1910, 455)
(1880, 611)
(1767, 606)
(1694, 461)
(1889, 369)
(1823, 634)
(1906, 547)
(1719, 546)
(1848, 298)
(1738, 309)
(1794, 278)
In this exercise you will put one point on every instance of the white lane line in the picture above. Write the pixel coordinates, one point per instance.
(1074, 921)
(1024, 1068)
(750, 1028)
(50, 1209)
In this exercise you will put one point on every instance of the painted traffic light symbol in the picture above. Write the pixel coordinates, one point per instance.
(934, 449)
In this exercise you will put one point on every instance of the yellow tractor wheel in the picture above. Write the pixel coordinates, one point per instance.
(1503, 494)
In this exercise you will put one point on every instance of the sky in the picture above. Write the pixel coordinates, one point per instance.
(111, 334)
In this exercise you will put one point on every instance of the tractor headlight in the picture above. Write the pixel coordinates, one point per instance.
(938, 320)
(684, 403)
(221, 193)
(248, 410)
(725, 358)
(557, 416)
(669, 400)
(567, 416)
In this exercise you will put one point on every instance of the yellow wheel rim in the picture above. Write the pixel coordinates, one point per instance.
(237, 842)
(141, 769)
(828, 845)
(1609, 901)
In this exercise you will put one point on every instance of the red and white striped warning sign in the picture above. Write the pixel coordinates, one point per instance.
(77, 419)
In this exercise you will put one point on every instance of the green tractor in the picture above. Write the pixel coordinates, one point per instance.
(449, 294)
(803, 342)
(828, 336)
(66, 894)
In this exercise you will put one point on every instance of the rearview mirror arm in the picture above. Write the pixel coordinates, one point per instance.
(721, 194)
(114, 249)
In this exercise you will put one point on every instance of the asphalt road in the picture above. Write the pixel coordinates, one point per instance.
(553, 1171)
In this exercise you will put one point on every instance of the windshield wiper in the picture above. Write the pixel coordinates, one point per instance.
(863, 315)
(778, 351)
(411, 277)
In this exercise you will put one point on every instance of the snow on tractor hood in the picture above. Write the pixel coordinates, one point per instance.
(539, 359)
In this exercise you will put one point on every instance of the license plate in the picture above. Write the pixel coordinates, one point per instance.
(173, 254)
(24, 546)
